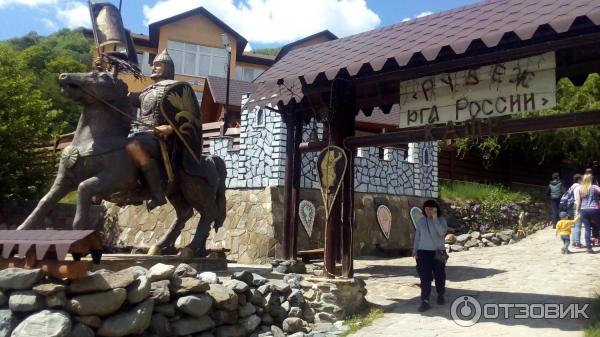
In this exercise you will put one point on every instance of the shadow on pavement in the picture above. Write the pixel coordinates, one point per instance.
(453, 273)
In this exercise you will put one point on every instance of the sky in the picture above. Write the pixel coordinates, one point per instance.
(264, 23)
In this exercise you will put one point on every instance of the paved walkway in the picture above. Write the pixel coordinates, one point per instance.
(530, 271)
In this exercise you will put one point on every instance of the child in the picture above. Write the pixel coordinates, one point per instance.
(563, 228)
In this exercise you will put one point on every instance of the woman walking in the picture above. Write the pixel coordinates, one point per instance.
(429, 238)
(586, 205)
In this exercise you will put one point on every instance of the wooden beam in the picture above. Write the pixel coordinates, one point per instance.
(288, 187)
(348, 197)
(491, 126)
(297, 172)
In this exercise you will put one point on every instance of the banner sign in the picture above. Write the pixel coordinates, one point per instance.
(500, 89)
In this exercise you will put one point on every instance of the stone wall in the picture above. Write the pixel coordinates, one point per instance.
(253, 229)
(166, 300)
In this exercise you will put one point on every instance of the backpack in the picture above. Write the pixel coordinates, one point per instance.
(567, 200)
(556, 191)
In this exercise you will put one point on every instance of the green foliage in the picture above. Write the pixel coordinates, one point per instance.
(576, 145)
(451, 190)
(27, 121)
(358, 322)
(267, 51)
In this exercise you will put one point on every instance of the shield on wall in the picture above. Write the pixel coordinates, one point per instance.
(384, 218)
(331, 166)
(307, 215)
(180, 109)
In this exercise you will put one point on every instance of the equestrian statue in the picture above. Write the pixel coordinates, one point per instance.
(125, 157)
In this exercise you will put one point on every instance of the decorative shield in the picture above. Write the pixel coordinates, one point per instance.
(307, 215)
(180, 109)
(415, 215)
(331, 165)
(384, 218)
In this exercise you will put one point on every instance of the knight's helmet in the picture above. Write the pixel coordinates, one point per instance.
(169, 66)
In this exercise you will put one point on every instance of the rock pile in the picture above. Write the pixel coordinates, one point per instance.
(173, 301)
(473, 240)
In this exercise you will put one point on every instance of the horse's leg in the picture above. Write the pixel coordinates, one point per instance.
(198, 244)
(59, 189)
(184, 212)
(86, 190)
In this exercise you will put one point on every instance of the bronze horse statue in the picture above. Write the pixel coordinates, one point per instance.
(96, 164)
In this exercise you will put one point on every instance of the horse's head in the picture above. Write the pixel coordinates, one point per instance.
(88, 87)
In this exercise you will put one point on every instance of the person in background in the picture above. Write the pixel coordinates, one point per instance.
(429, 237)
(586, 206)
(555, 191)
(576, 237)
(563, 228)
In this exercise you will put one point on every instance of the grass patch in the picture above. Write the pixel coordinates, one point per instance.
(70, 198)
(358, 322)
(468, 191)
(593, 327)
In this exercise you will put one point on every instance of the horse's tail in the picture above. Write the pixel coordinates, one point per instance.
(220, 197)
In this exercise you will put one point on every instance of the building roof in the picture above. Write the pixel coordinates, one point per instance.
(218, 90)
(451, 34)
(251, 57)
(155, 27)
(286, 49)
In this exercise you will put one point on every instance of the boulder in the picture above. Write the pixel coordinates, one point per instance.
(296, 298)
(237, 285)
(23, 301)
(17, 278)
(209, 277)
(52, 323)
(160, 325)
(250, 323)
(49, 288)
(195, 305)
(230, 331)
(160, 271)
(159, 291)
(488, 236)
(450, 239)
(138, 290)
(185, 270)
(101, 281)
(225, 317)
(224, 297)
(8, 322)
(137, 271)
(167, 309)
(277, 332)
(295, 312)
(187, 285)
(244, 276)
(93, 321)
(99, 304)
(475, 235)
(246, 310)
(471, 243)
(188, 326)
(82, 330)
(280, 286)
(258, 280)
(133, 321)
(463, 238)
(292, 324)
(57, 300)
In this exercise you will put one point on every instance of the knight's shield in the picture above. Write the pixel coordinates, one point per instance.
(181, 110)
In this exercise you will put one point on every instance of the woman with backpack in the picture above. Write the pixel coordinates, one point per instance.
(555, 192)
(586, 205)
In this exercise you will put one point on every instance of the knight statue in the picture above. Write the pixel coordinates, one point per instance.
(142, 145)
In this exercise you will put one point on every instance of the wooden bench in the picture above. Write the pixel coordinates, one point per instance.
(311, 254)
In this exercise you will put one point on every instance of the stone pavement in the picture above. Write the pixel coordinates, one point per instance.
(530, 271)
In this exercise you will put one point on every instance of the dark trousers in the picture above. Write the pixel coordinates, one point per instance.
(586, 218)
(428, 269)
(554, 205)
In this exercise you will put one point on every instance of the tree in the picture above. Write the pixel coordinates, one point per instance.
(27, 121)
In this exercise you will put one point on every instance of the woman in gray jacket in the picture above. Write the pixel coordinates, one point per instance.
(429, 237)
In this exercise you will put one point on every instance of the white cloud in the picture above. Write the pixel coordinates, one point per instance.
(406, 19)
(248, 47)
(49, 24)
(422, 14)
(73, 15)
(277, 21)
(30, 3)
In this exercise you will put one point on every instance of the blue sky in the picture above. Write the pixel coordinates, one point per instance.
(265, 23)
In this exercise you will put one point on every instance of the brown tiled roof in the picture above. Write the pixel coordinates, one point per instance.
(484, 23)
(389, 120)
(218, 89)
(286, 49)
(250, 57)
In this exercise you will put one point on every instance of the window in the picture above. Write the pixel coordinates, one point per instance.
(260, 117)
(247, 74)
(144, 63)
(195, 60)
